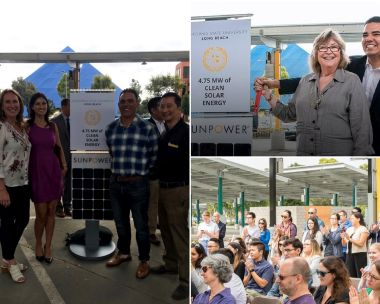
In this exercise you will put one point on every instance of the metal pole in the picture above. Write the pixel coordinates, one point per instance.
(198, 212)
(242, 209)
(354, 195)
(272, 191)
(66, 76)
(307, 195)
(335, 199)
(282, 200)
(236, 205)
(220, 192)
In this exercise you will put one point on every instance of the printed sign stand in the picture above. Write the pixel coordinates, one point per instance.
(220, 88)
(91, 112)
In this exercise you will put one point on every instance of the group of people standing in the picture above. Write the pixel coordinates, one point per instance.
(32, 167)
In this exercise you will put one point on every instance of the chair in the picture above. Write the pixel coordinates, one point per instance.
(265, 300)
(355, 282)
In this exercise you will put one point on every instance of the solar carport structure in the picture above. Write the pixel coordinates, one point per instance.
(219, 179)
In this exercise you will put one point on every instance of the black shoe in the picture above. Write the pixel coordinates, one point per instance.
(154, 240)
(60, 213)
(180, 293)
(40, 258)
(68, 213)
(162, 269)
(49, 260)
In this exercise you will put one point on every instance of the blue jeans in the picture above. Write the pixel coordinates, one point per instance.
(131, 196)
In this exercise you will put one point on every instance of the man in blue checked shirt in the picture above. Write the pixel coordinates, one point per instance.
(133, 145)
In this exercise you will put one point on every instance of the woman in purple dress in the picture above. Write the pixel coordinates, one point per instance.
(47, 167)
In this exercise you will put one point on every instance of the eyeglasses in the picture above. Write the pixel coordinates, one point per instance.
(261, 223)
(289, 249)
(333, 48)
(248, 217)
(284, 216)
(283, 277)
(371, 276)
(211, 246)
(310, 212)
(322, 273)
(205, 268)
(333, 218)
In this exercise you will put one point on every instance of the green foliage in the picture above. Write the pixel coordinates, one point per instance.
(295, 165)
(135, 84)
(315, 201)
(327, 161)
(143, 108)
(284, 73)
(26, 90)
(63, 87)
(102, 82)
(364, 166)
(159, 85)
(185, 104)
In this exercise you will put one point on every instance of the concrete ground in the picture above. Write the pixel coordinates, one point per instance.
(69, 280)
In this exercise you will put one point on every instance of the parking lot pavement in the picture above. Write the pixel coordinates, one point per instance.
(69, 280)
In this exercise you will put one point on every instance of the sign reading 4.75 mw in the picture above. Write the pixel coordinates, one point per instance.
(220, 66)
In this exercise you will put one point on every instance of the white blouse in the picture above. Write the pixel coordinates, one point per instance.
(14, 155)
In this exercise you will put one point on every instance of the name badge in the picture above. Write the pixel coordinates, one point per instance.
(173, 145)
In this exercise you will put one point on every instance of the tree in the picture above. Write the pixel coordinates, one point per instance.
(63, 87)
(135, 84)
(284, 73)
(25, 89)
(295, 165)
(102, 82)
(327, 161)
(185, 104)
(159, 85)
(364, 166)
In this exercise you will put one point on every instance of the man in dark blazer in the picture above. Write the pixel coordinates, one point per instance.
(159, 126)
(366, 67)
(63, 123)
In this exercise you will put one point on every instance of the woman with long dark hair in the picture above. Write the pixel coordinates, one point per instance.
(239, 259)
(356, 239)
(264, 236)
(198, 253)
(312, 232)
(46, 174)
(335, 282)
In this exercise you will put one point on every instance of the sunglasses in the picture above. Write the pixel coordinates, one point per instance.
(283, 277)
(322, 273)
(310, 212)
(205, 268)
(261, 223)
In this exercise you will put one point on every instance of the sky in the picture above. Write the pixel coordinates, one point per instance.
(95, 26)
(279, 12)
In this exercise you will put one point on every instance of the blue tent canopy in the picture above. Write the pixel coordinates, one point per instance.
(46, 78)
(293, 58)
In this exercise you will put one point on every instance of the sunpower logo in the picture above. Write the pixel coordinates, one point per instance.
(219, 129)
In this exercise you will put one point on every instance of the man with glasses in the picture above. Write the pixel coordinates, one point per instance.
(291, 248)
(293, 281)
(312, 213)
(213, 245)
(344, 224)
(366, 67)
(251, 231)
(259, 273)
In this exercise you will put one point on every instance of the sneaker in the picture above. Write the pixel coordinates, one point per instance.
(68, 212)
(60, 213)
(180, 293)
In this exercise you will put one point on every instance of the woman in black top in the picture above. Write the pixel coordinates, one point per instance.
(335, 282)
(239, 259)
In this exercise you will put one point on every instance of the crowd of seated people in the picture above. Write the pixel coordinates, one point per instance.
(328, 261)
